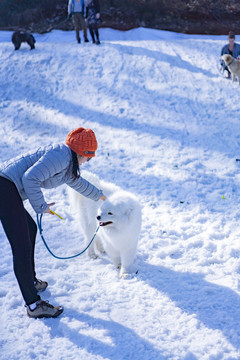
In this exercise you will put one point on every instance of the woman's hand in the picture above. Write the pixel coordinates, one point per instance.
(47, 211)
(103, 197)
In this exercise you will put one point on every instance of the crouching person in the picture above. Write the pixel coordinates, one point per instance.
(233, 49)
(23, 178)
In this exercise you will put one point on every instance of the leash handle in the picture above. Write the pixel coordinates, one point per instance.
(39, 223)
(52, 212)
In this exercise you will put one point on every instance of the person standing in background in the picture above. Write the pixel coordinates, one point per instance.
(93, 19)
(76, 11)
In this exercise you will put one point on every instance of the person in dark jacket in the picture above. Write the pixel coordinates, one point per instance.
(231, 48)
(93, 19)
(23, 178)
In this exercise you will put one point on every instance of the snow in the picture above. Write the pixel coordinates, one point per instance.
(168, 130)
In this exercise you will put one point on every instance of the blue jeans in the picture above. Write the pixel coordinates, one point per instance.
(224, 66)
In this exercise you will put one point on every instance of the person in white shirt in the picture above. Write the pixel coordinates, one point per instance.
(76, 11)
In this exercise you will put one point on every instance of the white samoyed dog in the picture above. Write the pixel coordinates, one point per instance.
(119, 218)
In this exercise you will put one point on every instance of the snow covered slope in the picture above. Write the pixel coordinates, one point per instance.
(168, 130)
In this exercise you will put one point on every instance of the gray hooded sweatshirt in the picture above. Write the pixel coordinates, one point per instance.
(47, 167)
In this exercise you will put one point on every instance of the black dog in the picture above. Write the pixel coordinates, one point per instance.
(19, 37)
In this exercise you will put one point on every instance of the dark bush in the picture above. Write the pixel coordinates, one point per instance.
(194, 16)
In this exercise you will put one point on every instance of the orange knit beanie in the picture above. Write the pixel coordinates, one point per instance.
(82, 141)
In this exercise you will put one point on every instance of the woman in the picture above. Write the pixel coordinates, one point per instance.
(93, 19)
(22, 178)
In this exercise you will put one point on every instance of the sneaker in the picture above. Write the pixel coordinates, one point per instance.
(98, 42)
(86, 40)
(40, 285)
(44, 310)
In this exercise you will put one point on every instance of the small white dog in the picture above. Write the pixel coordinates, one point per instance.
(233, 66)
(119, 218)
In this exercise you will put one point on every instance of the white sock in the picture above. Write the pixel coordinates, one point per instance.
(33, 306)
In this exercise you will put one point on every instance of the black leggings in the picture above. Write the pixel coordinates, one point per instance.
(94, 31)
(21, 232)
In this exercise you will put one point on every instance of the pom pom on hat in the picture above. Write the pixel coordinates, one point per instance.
(82, 141)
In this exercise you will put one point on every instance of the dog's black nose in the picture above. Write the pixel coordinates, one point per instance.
(98, 217)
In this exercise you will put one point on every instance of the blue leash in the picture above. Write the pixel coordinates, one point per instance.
(39, 223)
